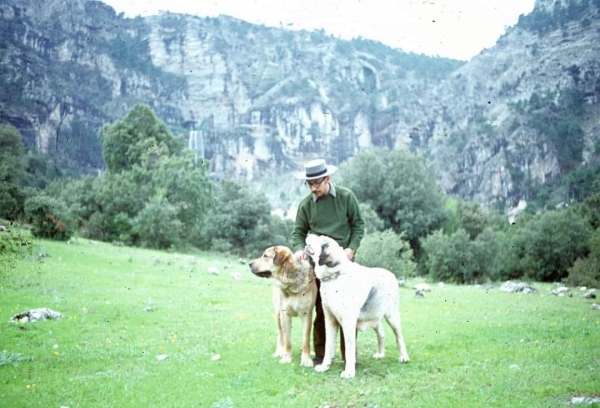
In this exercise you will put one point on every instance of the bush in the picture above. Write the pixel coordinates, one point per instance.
(14, 245)
(585, 272)
(157, 226)
(548, 246)
(387, 250)
(447, 258)
(48, 217)
(242, 218)
(456, 258)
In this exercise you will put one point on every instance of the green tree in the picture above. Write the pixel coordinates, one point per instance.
(547, 246)
(388, 250)
(400, 188)
(139, 137)
(157, 225)
(372, 221)
(12, 173)
(147, 168)
(586, 271)
(187, 188)
(240, 217)
(447, 258)
(472, 217)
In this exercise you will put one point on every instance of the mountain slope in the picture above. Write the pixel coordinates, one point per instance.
(258, 101)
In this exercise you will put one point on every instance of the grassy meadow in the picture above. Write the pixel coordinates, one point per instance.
(469, 347)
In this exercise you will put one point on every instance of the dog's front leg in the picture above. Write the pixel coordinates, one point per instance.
(276, 298)
(349, 328)
(286, 326)
(305, 359)
(331, 330)
(279, 347)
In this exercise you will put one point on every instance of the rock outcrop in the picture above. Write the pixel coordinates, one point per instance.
(258, 101)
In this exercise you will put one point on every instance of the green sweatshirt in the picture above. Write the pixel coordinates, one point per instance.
(336, 215)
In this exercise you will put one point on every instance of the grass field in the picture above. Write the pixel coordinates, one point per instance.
(468, 347)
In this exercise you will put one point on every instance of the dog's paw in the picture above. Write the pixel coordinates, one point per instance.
(286, 359)
(378, 356)
(321, 368)
(277, 354)
(348, 374)
(306, 361)
(404, 359)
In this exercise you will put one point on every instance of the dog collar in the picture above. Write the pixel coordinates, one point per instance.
(331, 277)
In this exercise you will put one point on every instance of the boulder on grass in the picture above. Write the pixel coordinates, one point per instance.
(34, 315)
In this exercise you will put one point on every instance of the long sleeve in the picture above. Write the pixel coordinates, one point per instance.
(357, 224)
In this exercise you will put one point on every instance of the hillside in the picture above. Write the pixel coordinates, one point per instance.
(257, 101)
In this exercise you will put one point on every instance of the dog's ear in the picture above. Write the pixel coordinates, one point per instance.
(280, 256)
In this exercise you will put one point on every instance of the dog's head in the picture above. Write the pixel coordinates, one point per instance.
(271, 262)
(324, 251)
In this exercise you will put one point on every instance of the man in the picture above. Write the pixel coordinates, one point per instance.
(331, 211)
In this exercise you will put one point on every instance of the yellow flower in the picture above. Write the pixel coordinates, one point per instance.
(56, 353)
(28, 386)
(160, 347)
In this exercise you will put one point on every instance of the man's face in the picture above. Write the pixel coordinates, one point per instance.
(319, 187)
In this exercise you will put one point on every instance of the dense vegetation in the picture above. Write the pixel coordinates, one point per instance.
(542, 21)
(154, 194)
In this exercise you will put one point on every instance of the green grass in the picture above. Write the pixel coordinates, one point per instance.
(468, 347)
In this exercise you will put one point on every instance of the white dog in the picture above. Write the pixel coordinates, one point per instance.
(354, 297)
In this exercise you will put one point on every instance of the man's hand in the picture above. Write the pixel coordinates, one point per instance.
(349, 253)
(300, 255)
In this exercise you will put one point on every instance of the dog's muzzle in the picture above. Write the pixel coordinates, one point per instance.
(265, 274)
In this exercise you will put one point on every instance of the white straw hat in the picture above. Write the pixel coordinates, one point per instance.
(316, 169)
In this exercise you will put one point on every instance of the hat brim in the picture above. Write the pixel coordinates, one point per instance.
(330, 170)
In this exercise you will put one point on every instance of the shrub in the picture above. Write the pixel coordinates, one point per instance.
(14, 245)
(550, 244)
(156, 226)
(48, 217)
(447, 258)
(585, 272)
(387, 250)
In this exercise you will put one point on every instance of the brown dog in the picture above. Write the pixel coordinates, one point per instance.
(294, 294)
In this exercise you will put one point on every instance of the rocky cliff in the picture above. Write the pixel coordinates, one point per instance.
(258, 101)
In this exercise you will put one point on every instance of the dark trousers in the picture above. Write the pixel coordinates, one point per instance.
(319, 329)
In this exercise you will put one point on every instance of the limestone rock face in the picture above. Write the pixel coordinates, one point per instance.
(258, 101)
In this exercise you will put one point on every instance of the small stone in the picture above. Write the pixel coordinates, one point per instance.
(161, 357)
(216, 357)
